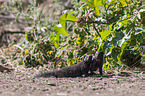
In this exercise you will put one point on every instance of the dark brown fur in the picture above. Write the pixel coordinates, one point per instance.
(69, 71)
(97, 62)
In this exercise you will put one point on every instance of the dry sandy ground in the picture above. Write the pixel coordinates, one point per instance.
(21, 84)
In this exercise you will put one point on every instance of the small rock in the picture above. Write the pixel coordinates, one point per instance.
(51, 84)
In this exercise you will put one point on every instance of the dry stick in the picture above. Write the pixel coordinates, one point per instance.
(20, 19)
(10, 32)
(81, 48)
(135, 63)
(122, 20)
(98, 22)
(13, 32)
(135, 58)
(96, 30)
(10, 17)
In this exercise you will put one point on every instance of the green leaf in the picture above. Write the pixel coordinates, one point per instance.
(83, 6)
(112, 47)
(97, 4)
(66, 17)
(97, 11)
(52, 37)
(123, 47)
(105, 33)
(119, 61)
(120, 42)
(62, 19)
(90, 3)
(94, 4)
(60, 30)
(55, 39)
(136, 47)
(123, 3)
(70, 17)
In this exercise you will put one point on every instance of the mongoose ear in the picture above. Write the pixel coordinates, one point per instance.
(87, 58)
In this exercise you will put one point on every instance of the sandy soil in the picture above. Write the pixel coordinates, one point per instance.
(21, 84)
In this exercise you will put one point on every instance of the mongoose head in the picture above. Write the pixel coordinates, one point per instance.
(99, 54)
(97, 60)
(88, 58)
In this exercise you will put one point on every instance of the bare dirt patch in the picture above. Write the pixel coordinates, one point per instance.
(21, 84)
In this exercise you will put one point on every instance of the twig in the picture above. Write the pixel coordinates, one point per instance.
(12, 32)
(96, 30)
(10, 17)
(20, 19)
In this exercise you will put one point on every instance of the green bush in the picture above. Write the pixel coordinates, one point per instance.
(112, 26)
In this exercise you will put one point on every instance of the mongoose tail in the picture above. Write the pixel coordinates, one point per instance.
(44, 74)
